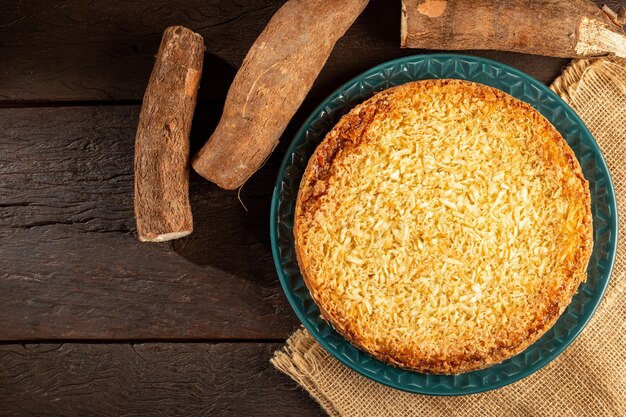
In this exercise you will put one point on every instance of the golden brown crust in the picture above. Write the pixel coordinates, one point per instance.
(350, 133)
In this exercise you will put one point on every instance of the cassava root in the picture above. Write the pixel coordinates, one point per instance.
(272, 82)
(562, 28)
(162, 209)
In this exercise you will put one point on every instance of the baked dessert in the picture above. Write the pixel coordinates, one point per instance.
(443, 226)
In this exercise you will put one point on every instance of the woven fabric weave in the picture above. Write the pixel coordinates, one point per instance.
(588, 379)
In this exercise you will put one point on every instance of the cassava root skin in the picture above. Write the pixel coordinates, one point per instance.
(272, 82)
(569, 29)
(162, 209)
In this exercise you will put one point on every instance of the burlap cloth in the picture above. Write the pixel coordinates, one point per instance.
(588, 379)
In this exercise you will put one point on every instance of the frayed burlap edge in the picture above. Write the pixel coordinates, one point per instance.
(300, 359)
(567, 84)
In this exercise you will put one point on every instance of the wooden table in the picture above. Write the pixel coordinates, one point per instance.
(92, 321)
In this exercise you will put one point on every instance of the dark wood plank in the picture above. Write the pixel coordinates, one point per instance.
(71, 266)
(104, 49)
(147, 380)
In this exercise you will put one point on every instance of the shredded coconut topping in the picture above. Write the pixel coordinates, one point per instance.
(447, 228)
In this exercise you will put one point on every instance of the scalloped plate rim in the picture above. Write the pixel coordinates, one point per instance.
(283, 278)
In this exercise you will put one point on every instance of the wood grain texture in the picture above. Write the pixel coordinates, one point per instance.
(147, 380)
(67, 52)
(71, 267)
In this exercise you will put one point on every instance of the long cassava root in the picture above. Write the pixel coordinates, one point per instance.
(272, 82)
(162, 209)
(562, 28)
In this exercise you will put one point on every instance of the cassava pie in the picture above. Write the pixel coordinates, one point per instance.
(443, 226)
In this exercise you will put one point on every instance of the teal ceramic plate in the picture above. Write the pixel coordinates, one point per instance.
(515, 83)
